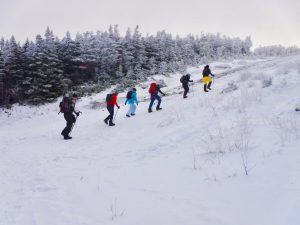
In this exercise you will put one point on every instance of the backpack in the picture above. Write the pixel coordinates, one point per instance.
(182, 79)
(152, 89)
(64, 105)
(129, 95)
(109, 97)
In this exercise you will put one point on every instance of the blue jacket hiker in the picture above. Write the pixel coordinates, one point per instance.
(132, 101)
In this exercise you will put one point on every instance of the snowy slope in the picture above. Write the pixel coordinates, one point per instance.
(185, 164)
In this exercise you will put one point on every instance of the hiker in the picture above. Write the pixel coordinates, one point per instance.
(207, 80)
(111, 101)
(132, 101)
(154, 90)
(185, 79)
(67, 107)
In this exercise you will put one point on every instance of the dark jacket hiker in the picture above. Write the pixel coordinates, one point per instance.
(67, 107)
(154, 90)
(185, 84)
(111, 101)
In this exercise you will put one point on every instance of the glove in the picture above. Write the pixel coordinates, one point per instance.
(118, 107)
(125, 103)
(164, 94)
(77, 113)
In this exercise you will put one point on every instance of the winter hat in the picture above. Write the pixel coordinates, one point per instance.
(75, 96)
(134, 89)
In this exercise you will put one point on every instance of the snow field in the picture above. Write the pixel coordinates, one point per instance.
(186, 164)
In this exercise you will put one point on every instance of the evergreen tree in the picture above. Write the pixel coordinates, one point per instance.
(13, 68)
(69, 54)
(2, 74)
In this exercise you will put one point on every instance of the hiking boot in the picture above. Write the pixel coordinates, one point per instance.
(185, 96)
(106, 121)
(149, 110)
(111, 124)
(205, 88)
(158, 109)
(67, 137)
(132, 114)
(127, 115)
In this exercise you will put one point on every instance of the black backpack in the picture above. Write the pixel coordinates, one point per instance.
(182, 79)
(129, 95)
(109, 97)
(65, 105)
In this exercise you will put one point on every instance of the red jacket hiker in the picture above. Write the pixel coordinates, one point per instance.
(110, 107)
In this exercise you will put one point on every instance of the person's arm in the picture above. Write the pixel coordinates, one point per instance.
(137, 102)
(73, 109)
(115, 101)
(158, 89)
(135, 98)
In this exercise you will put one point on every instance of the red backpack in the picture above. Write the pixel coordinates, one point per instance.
(152, 89)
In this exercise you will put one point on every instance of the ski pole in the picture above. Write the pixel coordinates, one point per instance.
(75, 122)
(115, 115)
(193, 88)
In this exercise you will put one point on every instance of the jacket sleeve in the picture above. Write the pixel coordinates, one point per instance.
(158, 89)
(114, 100)
(116, 103)
(135, 98)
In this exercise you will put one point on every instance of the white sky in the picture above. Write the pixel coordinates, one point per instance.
(267, 21)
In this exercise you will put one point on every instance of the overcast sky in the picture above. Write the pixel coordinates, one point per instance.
(267, 21)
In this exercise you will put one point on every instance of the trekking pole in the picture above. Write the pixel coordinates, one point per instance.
(116, 115)
(73, 126)
(193, 88)
(74, 122)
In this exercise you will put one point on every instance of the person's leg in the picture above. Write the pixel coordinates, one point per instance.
(69, 119)
(129, 110)
(205, 81)
(111, 113)
(108, 117)
(151, 103)
(209, 83)
(186, 90)
(159, 101)
(133, 109)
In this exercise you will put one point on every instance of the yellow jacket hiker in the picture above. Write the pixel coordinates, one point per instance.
(207, 79)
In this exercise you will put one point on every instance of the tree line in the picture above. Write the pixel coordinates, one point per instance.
(40, 71)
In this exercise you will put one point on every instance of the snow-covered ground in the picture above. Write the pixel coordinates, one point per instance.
(184, 165)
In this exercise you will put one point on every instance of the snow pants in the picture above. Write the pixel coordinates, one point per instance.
(110, 109)
(153, 98)
(70, 119)
(186, 89)
(207, 79)
(132, 108)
